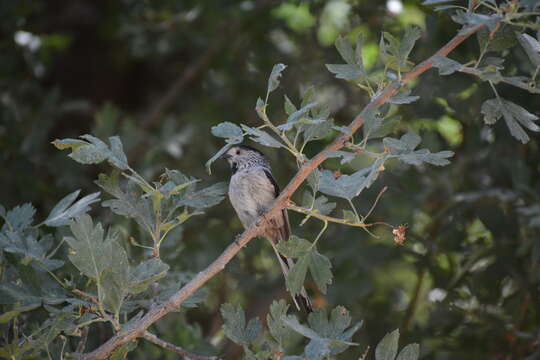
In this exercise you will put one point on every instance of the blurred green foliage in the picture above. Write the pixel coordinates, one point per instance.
(160, 74)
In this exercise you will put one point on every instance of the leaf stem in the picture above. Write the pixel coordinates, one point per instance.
(354, 209)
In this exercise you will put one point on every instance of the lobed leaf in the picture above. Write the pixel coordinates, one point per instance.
(388, 346)
(531, 47)
(277, 328)
(273, 80)
(409, 352)
(261, 137)
(235, 325)
(19, 218)
(65, 210)
(146, 273)
(227, 130)
(446, 66)
(514, 115)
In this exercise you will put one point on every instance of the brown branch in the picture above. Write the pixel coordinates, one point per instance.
(138, 328)
(189, 355)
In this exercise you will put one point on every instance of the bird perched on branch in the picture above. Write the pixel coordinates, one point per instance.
(252, 190)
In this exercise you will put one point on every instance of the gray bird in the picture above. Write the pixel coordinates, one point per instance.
(252, 190)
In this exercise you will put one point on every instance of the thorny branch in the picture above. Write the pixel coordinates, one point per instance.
(138, 328)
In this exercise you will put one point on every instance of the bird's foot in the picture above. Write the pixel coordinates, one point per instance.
(237, 240)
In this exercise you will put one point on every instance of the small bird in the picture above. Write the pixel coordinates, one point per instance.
(252, 190)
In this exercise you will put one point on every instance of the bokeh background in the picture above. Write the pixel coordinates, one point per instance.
(160, 74)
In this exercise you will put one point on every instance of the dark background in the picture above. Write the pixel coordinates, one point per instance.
(160, 73)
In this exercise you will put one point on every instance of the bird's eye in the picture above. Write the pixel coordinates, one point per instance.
(237, 152)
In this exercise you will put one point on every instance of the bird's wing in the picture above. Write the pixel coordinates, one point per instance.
(280, 222)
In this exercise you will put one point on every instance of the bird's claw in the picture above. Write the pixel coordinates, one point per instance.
(236, 240)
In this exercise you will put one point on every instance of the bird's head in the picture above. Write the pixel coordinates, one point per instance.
(244, 157)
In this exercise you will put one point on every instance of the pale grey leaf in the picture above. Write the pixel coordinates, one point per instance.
(65, 210)
(388, 346)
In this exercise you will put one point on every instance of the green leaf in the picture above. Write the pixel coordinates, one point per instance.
(9, 315)
(394, 53)
(345, 186)
(354, 67)
(19, 218)
(345, 71)
(412, 34)
(294, 324)
(127, 203)
(121, 352)
(117, 157)
(308, 258)
(206, 197)
(345, 50)
(297, 275)
(388, 346)
(27, 246)
(320, 269)
(277, 328)
(473, 19)
(403, 98)
(235, 325)
(261, 137)
(514, 115)
(404, 150)
(320, 204)
(445, 65)
(296, 117)
(409, 352)
(146, 273)
(503, 39)
(318, 131)
(350, 216)
(94, 152)
(90, 251)
(346, 156)
(228, 130)
(295, 247)
(288, 106)
(68, 143)
(12, 294)
(490, 110)
(327, 336)
(531, 47)
(273, 80)
(65, 210)
(114, 283)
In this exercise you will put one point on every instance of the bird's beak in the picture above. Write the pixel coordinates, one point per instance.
(226, 156)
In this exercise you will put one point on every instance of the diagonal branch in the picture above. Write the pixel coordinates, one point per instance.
(177, 349)
(138, 328)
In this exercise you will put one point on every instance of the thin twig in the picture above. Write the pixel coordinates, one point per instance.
(326, 218)
(177, 349)
(82, 342)
(155, 313)
(521, 85)
(376, 201)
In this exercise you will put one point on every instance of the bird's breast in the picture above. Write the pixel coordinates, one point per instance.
(250, 193)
